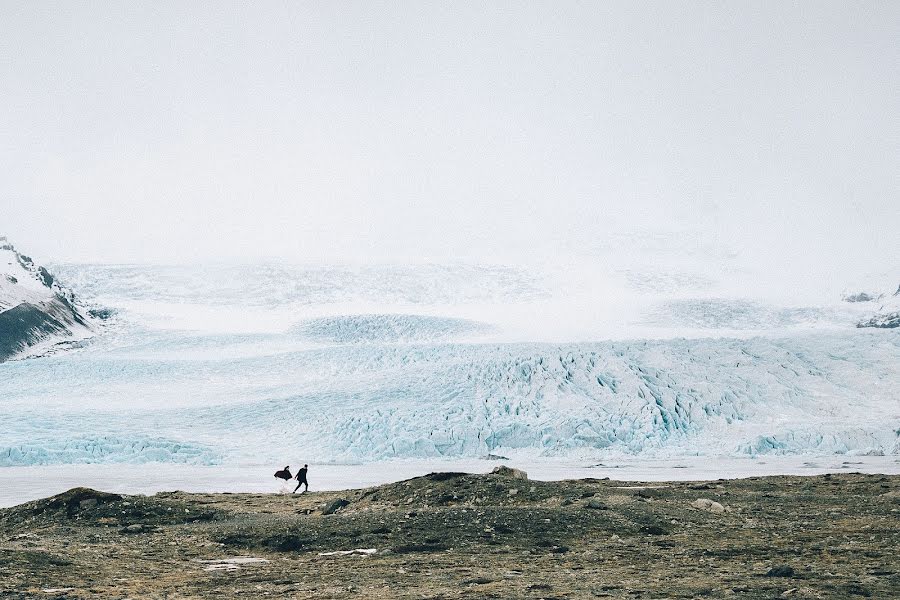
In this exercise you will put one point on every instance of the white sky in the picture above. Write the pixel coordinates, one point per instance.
(495, 132)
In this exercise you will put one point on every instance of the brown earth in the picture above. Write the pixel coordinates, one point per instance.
(451, 535)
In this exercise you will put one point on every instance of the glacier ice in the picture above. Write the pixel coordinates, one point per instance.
(375, 328)
(87, 449)
(336, 383)
(822, 393)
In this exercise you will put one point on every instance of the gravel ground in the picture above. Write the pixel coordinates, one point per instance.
(454, 535)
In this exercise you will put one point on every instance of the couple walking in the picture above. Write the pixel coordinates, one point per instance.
(301, 477)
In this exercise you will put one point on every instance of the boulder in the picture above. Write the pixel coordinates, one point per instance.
(334, 506)
(504, 471)
(780, 571)
(708, 505)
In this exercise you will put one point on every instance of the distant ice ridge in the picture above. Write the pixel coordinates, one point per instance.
(736, 314)
(272, 284)
(575, 304)
(104, 449)
(390, 328)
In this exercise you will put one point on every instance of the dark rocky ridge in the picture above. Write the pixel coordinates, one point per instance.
(27, 324)
(31, 321)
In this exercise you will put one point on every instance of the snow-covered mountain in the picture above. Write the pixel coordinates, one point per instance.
(35, 310)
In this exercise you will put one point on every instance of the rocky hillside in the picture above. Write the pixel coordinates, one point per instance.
(35, 311)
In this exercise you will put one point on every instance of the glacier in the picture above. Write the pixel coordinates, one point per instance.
(222, 366)
(813, 394)
(672, 397)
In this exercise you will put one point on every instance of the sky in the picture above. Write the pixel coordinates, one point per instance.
(695, 133)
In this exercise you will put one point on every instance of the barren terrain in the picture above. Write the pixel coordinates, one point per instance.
(454, 535)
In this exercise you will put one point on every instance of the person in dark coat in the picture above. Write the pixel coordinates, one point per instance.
(284, 474)
(301, 479)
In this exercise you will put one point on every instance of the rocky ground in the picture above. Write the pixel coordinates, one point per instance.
(453, 535)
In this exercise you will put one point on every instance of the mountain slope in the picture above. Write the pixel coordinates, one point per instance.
(34, 308)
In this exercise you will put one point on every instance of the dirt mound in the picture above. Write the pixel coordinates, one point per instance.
(455, 489)
(80, 497)
(89, 507)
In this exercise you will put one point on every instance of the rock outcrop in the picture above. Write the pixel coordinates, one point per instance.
(34, 307)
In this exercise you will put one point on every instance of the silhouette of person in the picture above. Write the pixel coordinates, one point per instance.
(301, 479)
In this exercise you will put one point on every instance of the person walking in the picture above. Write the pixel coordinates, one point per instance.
(301, 479)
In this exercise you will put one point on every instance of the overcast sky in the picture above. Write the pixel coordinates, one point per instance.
(488, 131)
